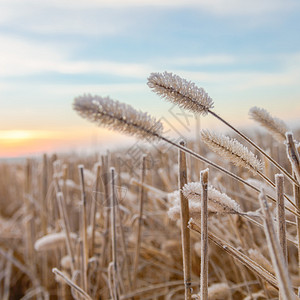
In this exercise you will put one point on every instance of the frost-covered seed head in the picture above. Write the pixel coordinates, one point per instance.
(181, 92)
(52, 241)
(274, 125)
(218, 203)
(232, 150)
(118, 116)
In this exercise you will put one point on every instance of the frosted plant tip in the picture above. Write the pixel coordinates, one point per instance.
(181, 92)
(232, 150)
(118, 116)
(275, 126)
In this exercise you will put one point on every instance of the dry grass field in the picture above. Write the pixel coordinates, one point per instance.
(212, 219)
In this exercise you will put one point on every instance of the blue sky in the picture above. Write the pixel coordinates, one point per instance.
(244, 53)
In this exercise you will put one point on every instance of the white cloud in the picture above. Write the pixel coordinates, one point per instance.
(218, 59)
(238, 80)
(53, 17)
(92, 17)
(222, 7)
(25, 57)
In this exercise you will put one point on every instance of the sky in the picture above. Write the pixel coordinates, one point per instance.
(243, 53)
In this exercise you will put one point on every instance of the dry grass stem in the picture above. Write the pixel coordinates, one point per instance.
(204, 236)
(66, 226)
(113, 204)
(184, 217)
(71, 283)
(84, 227)
(94, 206)
(278, 260)
(293, 155)
(7, 278)
(105, 178)
(142, 196)
(281, 225)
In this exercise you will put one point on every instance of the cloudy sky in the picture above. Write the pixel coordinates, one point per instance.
(243, 53)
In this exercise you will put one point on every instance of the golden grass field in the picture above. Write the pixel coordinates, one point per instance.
(125, 226)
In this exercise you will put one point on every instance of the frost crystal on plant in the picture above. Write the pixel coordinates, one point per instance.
(118, 116)
(232, 150)
(181, 92)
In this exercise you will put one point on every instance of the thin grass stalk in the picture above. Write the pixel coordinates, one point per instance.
(84, 228)
(140, 223)
(44, 194)
(28, 233)
(293, 156)
(71, 284)
(296, 190)
(7, 278)
(36, 292)
(44, 217)
(197, 147)
(94, 207)
(281, 225)
(111, 280)
(83, 277)
(184, 217)
(113, 204)
(278, 260)
(204, 236)
(124, 249)
(141, 291)
(105, 178)
(66, 225)
(122, 234)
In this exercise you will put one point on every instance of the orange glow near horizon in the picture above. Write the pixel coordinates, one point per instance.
(16, 143)
(20, 143)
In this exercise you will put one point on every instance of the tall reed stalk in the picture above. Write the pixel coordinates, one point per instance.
(139, 223)
(113, 204)
(204, 236)
(84, 228)
(276, 253)
(281, 224)
(184, 216)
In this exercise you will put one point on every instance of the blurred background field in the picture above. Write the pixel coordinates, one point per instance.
(243, 53)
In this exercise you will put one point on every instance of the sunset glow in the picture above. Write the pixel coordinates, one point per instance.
(243, 53)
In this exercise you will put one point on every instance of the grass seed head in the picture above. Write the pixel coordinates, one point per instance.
(118, 116)
(274, 125)
(181, 92)
(232, 150)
